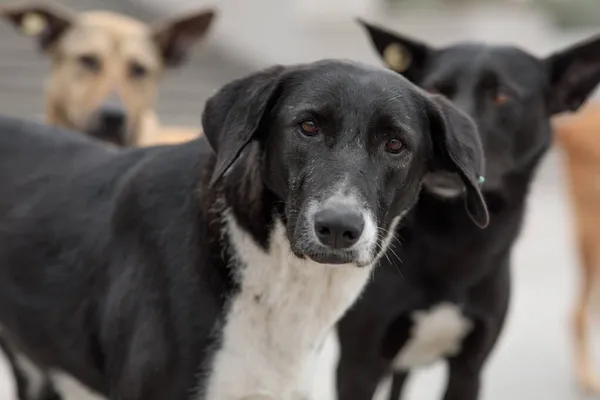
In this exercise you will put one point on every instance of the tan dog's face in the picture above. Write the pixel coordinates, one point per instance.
(106, 67)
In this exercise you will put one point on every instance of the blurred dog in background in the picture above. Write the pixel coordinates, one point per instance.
(578, 136)
(106, 68)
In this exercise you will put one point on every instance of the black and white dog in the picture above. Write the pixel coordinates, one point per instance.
(448, 296)
(172, 273)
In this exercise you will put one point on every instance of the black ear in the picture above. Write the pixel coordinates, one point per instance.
(574, 74)
(400, 53)
(232, 117)
(457, 148)
(46, 24)
(176, 38)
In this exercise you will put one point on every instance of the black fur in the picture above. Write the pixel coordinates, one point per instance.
(113, 263)
(511, 95)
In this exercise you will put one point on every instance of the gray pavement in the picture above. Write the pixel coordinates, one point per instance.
(533, 359)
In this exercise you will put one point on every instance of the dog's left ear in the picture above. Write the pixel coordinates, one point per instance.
(457, 148)
(176, 38)
(45, 23)
(233, 116)
(573, 73)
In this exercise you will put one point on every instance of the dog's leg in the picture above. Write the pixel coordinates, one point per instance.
(464, 380)
(33, 381)
(585, 375)
(492, 298)
(464, 372)
(19, 375)
(360, 379)
(398, 381)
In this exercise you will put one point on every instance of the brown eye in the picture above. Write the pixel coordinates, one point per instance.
(90, 62)
(137, 70)
(309, 128)
(501, 97)
(394, 146)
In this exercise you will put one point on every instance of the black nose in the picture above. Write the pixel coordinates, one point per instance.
(338, 228)
(112, 118)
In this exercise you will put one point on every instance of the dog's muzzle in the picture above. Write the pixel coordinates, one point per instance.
(336, 232)
(109, 123)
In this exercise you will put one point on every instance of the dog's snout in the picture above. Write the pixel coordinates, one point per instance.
(112, 117)
(338, 228)
(109, 122)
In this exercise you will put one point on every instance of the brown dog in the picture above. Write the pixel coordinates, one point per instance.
(106, 68)
(578, 136)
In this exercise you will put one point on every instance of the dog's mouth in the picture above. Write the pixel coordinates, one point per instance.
(323, 255)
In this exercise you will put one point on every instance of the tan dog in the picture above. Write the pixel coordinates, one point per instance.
(578, 136)
(106, 68)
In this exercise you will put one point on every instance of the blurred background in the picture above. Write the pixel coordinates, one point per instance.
(533, 359)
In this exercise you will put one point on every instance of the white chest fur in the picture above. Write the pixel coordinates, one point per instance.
(436, 333)
(277, 322)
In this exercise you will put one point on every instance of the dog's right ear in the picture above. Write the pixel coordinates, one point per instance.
(232, 117)
(175, 38)
(457, 148)
(400, 53)
(44, 23)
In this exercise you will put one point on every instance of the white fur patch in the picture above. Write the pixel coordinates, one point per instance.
(278, 322)
(436, 333)
(35, 376)
(446, 192)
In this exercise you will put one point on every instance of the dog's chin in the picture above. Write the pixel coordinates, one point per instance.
(323, 255)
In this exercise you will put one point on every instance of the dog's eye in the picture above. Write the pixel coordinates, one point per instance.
(501, 97)
(90, 62)
(137, 70)
(309, 128)
(394, 146)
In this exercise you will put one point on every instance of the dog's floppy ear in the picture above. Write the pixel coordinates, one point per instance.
(574, 74)
(43, 22)
(457, 148)
(232, 117)
(176, 38)
(400, 53)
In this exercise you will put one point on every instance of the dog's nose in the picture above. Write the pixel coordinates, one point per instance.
(338, 228)
(112, 117)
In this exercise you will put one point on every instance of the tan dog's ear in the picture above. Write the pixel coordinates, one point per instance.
(42, 22)
(175, 38)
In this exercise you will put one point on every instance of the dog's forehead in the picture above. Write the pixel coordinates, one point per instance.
(337, 81)
(104, 33)
(114, 23)
(477, 59)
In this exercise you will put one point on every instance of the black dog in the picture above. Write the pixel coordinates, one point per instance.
(448, 296)
(154, 274)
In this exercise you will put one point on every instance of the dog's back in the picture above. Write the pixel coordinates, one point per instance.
(59, 192)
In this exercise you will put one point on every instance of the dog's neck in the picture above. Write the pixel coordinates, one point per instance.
(278, 319)
(283, 307)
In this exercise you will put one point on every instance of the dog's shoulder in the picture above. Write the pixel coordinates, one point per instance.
(21, 132)
(164, 191)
